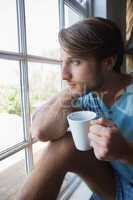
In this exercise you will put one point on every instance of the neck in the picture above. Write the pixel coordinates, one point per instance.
(113, 86)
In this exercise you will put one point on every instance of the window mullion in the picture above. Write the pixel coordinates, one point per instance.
(24, 83)
(76, 6)
(61, 14)
(61, 22)
(90, 8)
(12, 150)
(33, 58)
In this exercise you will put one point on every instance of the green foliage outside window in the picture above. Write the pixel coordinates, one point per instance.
(10, 100)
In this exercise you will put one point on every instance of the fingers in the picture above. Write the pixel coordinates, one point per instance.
(99, 130)
(100, 152)
(98, 140)
(100, 149)
(104, 122)
(101, 135)
(102, 127)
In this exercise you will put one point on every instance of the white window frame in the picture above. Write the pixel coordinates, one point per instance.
(23, 59)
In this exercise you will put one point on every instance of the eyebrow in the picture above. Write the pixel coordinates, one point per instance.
(70, 58)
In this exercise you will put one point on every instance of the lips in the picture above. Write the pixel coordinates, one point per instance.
(72, 84)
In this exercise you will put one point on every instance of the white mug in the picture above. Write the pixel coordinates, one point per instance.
(79, 123)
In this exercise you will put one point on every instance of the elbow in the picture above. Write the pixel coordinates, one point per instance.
(38, 134)
(41, 136)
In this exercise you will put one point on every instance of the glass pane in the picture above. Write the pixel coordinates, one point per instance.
(71, 17)
(42, 28)
(12, 175)
(82, 2)
(11, 130)
(44, 81)
(8, 25)
(38, 148)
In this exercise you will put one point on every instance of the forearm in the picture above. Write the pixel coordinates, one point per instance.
(43, 106)
(50, 121)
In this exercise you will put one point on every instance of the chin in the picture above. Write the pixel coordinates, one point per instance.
(79, 91)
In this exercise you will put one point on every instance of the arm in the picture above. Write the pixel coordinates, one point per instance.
(49, 121)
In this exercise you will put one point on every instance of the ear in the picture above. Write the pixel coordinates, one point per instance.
(109, 63)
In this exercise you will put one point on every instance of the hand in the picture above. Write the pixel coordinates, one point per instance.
(107, 141)
(66, 98)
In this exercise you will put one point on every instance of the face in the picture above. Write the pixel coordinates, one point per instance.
(81, 75)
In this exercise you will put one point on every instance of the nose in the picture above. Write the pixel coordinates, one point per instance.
(66, 72)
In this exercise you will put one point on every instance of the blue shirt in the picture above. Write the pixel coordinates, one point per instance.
(121, 113)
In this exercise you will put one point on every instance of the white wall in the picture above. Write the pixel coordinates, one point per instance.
(114, 10)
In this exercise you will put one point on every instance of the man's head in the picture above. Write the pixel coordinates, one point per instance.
(92, 48)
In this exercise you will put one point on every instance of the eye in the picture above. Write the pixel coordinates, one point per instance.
(76, 62)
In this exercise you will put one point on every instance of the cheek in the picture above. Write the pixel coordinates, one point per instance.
(86, 75)
(92, 79)
(84, 80)
(80, 74)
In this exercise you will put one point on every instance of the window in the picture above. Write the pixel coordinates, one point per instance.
(11, 125)
(8, 24)
(30, 74)
(71, 16)
(44, 81)
(82, 2)
(42, 28)
(80, 6)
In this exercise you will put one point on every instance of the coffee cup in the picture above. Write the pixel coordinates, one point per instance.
(79, 123)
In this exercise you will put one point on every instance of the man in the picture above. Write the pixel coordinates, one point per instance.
(91, 59)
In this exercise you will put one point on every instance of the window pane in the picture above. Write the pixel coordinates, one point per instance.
(12, 175)
(42, 28)
(71, 17)
(82, 2)
(44, 81)
(8, 26)
(11, 131)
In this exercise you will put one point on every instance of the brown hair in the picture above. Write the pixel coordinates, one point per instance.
(95, 36)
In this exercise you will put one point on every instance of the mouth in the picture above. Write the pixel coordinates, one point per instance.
(71, 84)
